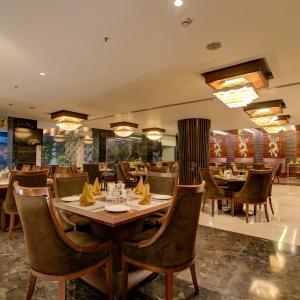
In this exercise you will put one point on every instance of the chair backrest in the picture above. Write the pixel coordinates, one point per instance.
(258, 166)
(26, 179)
(46, 251)
(162, 169)
(174, 243)
(120, 174)
(274, 174)
(279, 168)
(256, 186)
(69, 184)
(35, 168)
(211, 187)
(162, 183)
(26, 168)
(61, 170)
(93, 172)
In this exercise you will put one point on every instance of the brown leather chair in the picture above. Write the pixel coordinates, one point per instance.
(171, 248)
(26, 168)
(121, 177)
(27, 179)
(67, 185)
(162, 183)
(61, 170)
(93, 172)
(254, 191)
(212, 191)
(53, 254)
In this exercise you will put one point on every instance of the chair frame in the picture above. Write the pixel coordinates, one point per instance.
(62, 216)
(62, 279)
(255, 203)
(14, 214)
(169, 272)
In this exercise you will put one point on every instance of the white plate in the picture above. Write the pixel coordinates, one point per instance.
(161, 197)
(71, 198)
(117, 208)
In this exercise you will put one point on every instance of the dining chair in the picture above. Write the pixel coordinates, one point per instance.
(258, 166)
(254, 191)
(162, 183)
(212, 191)
(171, 248)
(67, 185)
(61, 170)
(53, 254)
(125, 165)
(27, 179)
(270, 188)
(278, 173)
(35, 168)
(26, 167)
(121, 177)
(93, 172)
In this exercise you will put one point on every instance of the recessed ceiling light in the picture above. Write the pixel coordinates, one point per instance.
(43, 74)
(178, 2)
(185, 22)
(214, 46)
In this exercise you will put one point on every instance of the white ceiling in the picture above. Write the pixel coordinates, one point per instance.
(150, 60)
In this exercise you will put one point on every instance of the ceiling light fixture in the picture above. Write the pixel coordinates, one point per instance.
(68, 120)
(43, 74)
(58, 138)
(273, 129)
(271, 120)
(237, 96)
(266, 108)
(123, 129)
(88, 140)
(154, 134)
(178, 3)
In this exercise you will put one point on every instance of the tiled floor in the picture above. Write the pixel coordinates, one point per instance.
(229, 266)
(284, 226)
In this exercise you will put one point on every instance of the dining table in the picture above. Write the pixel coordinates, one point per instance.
(234, 183)
(115, 226)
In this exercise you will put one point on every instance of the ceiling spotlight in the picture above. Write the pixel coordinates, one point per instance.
(43, 74)
(214, 46)
(178, 3)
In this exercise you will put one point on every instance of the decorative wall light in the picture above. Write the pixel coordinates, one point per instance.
(67, 120)
(88, 140)
(271, 120)
(154, 134)
(123, 129)
(266, 108)
(236, 85)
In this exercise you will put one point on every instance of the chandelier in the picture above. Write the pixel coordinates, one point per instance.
(88, 140)
(154, 134)
(273, 129)
(58, 138)
(68, 120)
(123, 129)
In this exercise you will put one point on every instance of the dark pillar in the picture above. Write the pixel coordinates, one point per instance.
(193, 146)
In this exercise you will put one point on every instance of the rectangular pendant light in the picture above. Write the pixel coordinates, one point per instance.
(237, 96)
(271, 120)
(266, 108)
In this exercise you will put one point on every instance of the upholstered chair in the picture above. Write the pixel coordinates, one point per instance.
(126, 169)
(53, 254)
(255, 191)
(27, 179)
(35, 168)
(162, 183)
(274, 173)
(121, 177)
(258, 166)
(278, 172)
(93, 172)
(67, 185)
(61, 170)
(171, 248)
(162, 169)
(26, 168)
(212, 191)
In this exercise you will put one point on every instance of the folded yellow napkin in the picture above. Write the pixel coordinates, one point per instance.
(146, 198)
(246, 174)
(234, 168)
(96, 190)
(139, 189)
(221, 174)
(86, 197)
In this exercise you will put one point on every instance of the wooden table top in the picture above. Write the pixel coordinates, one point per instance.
(5, 181)
(113, 219)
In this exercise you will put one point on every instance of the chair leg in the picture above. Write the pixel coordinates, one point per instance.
(203, 205)
(11, 225)
(247, 211)
(2, 219)
(255, 209)
(212, 207)
(124, 279)
(109, 279)
(62, 286)
(194, 278)
(32, 280)
(169, 286)
(266, 212)
(232, 207)
(271, 205)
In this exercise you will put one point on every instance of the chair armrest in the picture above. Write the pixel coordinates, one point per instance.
(67, 240)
